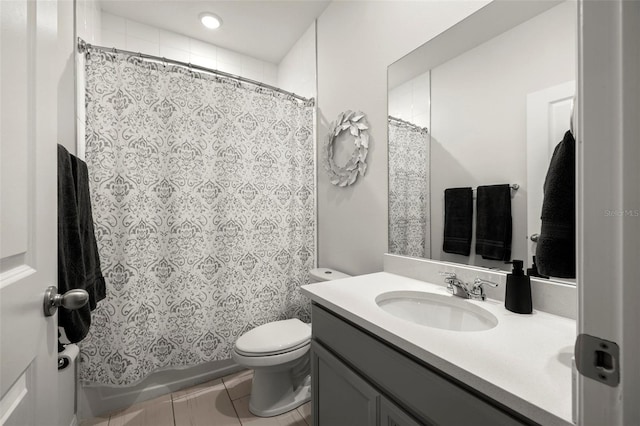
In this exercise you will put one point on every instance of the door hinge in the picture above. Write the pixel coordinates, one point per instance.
(598, 359)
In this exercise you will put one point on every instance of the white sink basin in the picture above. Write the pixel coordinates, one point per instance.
(435, 310)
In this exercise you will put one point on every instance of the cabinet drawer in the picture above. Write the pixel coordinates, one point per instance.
(420, 390)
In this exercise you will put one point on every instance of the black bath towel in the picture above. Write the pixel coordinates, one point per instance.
(556, 249)
(78, 261)
(458, 220)
(493, 222)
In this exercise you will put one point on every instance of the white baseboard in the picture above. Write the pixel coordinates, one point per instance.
(96, 401)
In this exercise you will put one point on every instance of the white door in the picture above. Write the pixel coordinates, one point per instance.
(28, 252)
(548, 118)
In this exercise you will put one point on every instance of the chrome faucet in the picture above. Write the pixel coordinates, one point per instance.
(457, 287)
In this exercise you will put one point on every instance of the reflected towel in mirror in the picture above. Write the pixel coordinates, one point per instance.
(458, 220)
(556, 249)
(493, 222)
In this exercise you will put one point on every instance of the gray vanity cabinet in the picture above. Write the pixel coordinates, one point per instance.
(361, 380)
(392, 415)
(342, 397)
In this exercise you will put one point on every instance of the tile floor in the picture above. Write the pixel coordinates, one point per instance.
(221, 402)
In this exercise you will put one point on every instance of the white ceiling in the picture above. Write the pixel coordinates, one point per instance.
(263, 29)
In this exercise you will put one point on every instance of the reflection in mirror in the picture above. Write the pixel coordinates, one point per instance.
(409, 231)
(409, 227)
(494, 114)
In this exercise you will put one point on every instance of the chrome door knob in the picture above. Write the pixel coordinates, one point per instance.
(72, 300)
(534, 237)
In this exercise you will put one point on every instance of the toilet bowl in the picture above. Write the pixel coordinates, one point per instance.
(278, 352)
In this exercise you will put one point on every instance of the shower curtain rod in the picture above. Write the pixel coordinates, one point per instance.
(408, 123)
(83, 46)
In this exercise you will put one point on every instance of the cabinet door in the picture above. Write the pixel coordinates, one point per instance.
(340, 397)
(392, 415)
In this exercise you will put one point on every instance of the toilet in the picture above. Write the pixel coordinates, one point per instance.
(278, 352)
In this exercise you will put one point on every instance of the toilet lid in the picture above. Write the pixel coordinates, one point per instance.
(274, 337)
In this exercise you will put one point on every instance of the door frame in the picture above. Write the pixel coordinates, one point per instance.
(608, 154)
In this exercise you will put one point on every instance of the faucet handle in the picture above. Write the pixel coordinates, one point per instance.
(477, 292)
(478, 282)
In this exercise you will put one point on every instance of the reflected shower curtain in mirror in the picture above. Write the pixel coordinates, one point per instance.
(409, 231)
(204, 206)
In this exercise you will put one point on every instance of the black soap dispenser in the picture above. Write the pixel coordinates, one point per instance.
(518, 293)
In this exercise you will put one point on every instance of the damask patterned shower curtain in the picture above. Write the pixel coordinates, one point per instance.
(409, 217)
(204, 207)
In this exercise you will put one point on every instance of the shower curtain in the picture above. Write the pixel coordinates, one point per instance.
(409, 230)
(204, 206)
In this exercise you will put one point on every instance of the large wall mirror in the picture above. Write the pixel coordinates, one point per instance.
(483, 103)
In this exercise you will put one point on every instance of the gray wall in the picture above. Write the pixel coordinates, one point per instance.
(356, 43)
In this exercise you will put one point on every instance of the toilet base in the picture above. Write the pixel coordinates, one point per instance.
(274, 393)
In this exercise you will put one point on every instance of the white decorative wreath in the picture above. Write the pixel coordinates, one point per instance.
(357, 125)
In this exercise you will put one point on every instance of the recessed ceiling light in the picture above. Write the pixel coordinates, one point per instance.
(210, 20)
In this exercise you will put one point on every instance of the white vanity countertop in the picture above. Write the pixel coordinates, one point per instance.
(524, 362)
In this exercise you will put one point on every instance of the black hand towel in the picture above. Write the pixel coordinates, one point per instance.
(493, 223)
(78, 261)
(458, 220)
(556, 249)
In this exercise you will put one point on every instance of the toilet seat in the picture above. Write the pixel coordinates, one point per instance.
(278, 352)
(278, 361)
(274, 338)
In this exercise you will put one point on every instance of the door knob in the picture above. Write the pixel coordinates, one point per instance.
(534, 237)
(72, 300)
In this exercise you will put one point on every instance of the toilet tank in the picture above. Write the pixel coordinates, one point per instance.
(325, 274)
